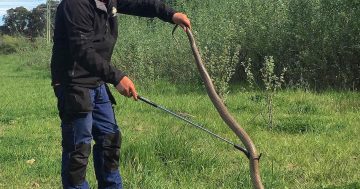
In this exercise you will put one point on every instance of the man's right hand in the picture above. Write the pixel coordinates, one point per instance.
(127, 88)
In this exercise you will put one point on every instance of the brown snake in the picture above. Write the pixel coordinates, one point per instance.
(226, 116)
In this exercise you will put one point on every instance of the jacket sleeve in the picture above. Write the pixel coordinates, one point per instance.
(146, 8)
(79, 18)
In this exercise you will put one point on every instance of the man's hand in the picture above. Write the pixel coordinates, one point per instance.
(127, 88)
(181, 20)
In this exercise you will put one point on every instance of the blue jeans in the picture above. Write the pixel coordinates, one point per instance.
(78, 131)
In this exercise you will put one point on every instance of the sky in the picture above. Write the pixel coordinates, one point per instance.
(8, 4)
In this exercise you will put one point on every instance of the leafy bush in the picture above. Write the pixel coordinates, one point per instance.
(316, 40)
(36, 54)
(9, 45)
(221, 66)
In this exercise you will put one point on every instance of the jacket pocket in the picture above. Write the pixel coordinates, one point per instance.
(77, 100)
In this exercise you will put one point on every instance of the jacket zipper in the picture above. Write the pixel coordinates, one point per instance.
(73, 71)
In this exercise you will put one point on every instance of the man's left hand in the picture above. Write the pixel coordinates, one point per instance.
(181, 20)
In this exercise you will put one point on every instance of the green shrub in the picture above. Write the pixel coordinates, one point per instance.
(316, 40)
(9, 44)
(36, 54)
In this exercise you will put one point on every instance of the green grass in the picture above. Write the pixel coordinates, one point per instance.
(313, 145)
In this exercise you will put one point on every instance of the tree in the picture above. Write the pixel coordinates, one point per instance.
(16, 21)
(37, 21)
(20, 21)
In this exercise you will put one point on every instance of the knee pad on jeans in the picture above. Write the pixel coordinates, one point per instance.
(111, 146)
(78, 162)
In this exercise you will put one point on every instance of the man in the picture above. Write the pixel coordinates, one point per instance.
(84, 38)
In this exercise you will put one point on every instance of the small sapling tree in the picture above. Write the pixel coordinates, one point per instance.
(271, 82)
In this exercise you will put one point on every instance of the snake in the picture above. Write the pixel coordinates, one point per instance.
(226, 116)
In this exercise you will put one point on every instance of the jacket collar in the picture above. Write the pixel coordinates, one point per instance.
(100, 5)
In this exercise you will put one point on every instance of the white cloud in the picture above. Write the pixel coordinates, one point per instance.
(3, 10)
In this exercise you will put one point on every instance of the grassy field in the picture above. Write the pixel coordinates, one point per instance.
(315, 143)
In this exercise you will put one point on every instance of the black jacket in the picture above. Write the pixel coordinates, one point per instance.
(85, 35)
